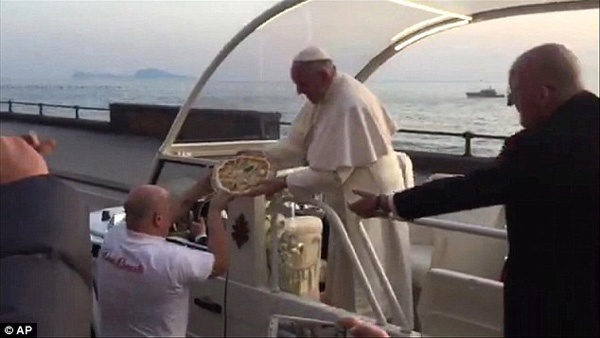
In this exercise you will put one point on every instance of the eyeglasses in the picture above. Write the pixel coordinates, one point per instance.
(509, 100)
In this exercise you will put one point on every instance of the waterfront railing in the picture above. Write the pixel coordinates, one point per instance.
(42, 111)
(467, 136)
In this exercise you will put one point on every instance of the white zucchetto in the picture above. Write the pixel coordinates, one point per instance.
(312, 54)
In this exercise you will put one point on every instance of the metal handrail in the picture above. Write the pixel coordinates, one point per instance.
(467, 136)
(473, 229)
(337, 224)
(398, 313)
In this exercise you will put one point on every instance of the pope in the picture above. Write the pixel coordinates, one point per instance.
(344, 134)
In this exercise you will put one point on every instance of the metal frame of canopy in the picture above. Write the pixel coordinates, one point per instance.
(412, 37)
(445, 21)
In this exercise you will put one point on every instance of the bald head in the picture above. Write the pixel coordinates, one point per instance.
(149, 210)
(542, 79)
(551, 64)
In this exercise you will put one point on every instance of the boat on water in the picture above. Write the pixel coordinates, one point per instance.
(489, 92)
(456, 267)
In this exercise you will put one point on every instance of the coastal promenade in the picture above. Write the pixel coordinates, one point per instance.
(117, 160)
(123, 159)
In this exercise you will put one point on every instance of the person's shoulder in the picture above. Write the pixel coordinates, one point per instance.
(354, 87)
(177, 251)
(587, 100)
(579, 111)
(520, 141)
(359, 101)
(37, 182)
(587, 108)
(516, 137)
(188, 263)
(113, 236)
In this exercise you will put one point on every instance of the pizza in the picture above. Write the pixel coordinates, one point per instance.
(240, 174)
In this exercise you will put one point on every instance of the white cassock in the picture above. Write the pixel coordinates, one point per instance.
(346, 140)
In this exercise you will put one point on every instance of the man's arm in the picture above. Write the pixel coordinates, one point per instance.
(19, 160)
(290, 151)
(308, 181)
(200, 189)
(217, 241)
(303, 183)
(479, 189)
(520, 162)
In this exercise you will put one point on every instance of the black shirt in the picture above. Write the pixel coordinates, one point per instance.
(548, 179)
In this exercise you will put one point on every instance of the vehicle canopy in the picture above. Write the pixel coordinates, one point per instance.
(251, 72)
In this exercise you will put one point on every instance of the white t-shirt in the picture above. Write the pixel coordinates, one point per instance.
(143, 284)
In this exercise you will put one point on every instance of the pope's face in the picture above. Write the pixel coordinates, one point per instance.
(309, 83)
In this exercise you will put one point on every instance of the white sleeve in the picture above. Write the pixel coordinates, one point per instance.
(284, 154)
(290, 152)
(307, 182)
(193, 265)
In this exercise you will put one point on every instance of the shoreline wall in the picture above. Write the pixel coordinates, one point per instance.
(223, 125)
(156, 120)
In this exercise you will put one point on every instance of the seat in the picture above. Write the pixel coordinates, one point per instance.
(471, 254)
(467, 253)
(456, 304)
(459, 252)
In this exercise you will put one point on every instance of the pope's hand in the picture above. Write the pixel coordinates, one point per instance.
(358, 328)
(366, 206)
(268, 187)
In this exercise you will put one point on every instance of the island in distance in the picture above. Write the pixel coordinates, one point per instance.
(147, 73)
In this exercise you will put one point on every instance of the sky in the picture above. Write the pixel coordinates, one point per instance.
(53, 39)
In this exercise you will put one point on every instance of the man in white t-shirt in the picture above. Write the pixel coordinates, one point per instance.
(143, 280)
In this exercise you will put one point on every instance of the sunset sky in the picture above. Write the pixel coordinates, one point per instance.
(52, 39)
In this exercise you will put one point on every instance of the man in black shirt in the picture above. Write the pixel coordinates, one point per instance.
(547, 176)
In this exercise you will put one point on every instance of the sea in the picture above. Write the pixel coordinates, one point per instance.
(422, 106)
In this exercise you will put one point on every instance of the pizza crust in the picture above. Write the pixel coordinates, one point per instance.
(239, 175)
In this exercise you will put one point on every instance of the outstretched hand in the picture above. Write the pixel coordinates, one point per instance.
(43, 147)
(366, 206)
(19, 160)
(268, 187)
(358, 328)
